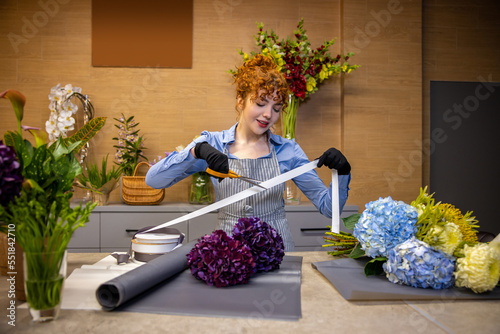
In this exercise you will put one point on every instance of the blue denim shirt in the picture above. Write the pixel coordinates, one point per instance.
(179, 165)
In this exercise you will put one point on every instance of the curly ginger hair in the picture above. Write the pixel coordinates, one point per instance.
(260, 74)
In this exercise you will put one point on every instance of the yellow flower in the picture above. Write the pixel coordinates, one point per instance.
(245, 56)
(311, 84)
(445, 237)
(324, 73)
(479, 269)
(465, 223)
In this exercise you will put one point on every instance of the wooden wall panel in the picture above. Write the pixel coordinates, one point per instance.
(172, 105)
(374, 115)
(382, 102)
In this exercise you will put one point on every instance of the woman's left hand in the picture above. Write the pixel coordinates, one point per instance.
(334, 159)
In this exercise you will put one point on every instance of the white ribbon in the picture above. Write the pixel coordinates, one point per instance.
(335, 202)
(255, 190)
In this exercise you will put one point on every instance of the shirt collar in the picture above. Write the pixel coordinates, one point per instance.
(229, 135)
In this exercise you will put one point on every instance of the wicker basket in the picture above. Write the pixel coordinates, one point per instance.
(135, 191)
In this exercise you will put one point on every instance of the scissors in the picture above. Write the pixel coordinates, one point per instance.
(234, 175)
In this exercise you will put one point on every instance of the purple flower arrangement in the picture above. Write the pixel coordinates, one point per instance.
(11, 179)
(222, 260)
(265, 243)
(217, 259)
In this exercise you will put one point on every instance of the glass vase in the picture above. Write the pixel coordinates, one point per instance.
(201, 190)
(288, 118)
(44, 274)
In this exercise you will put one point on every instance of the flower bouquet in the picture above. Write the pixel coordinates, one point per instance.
(304, 68)
(40, 211)
(423, 245)
(222, 260)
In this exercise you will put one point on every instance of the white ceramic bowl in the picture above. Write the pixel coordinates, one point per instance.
(154, 243)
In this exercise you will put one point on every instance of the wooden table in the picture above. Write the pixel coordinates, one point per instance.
(324, 310)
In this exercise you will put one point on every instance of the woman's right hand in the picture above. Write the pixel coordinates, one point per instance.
(216, 160)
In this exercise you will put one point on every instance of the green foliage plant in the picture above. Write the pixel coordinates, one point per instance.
(43, 218)
(102, 180)
(129, 146)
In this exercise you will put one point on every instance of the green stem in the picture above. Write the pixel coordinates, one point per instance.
(290, 117)
(44, 280)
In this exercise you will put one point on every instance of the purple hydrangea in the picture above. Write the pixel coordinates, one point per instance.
(265, 243)
(217, 259)
(417, 264)
(11, 178)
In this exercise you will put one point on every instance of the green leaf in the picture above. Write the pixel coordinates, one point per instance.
(357, 252)
(374, 267)
(23, 148)
(59, 149)
(350, 222)
(33, 170)
(86, 133)
(8, 138)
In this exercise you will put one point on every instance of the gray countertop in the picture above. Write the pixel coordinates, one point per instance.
(324, 310)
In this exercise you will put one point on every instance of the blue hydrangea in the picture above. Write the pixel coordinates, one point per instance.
(417, 264)
(384, 224)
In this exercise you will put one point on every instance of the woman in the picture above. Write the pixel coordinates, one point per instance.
(250, 149)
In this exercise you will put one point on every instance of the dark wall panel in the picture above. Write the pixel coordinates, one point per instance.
(465, 148)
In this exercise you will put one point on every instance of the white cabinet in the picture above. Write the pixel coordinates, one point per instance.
(86, 239)
(111, 227)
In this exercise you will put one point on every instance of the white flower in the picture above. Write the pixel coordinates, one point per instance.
(67, 105)
(52, 130)
(61, 111)
(66, 120)
(50, 125)
(53, 107)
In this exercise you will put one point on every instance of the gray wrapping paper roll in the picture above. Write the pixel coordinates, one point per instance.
(121, 289)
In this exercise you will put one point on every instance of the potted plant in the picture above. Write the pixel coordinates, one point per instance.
(129, 146)
(40, 212)
(100, 181)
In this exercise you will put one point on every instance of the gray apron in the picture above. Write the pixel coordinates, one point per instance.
(268, 205)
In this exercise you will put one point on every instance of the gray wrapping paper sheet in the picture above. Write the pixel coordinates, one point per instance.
(164, 286)
(348, 277)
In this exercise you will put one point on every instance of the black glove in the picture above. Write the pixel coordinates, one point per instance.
(216, 160)
(334, 159)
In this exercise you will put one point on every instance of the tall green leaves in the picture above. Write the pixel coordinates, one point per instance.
(95, 178)
(42, 214)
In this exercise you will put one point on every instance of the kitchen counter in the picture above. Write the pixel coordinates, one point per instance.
(323, 310)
